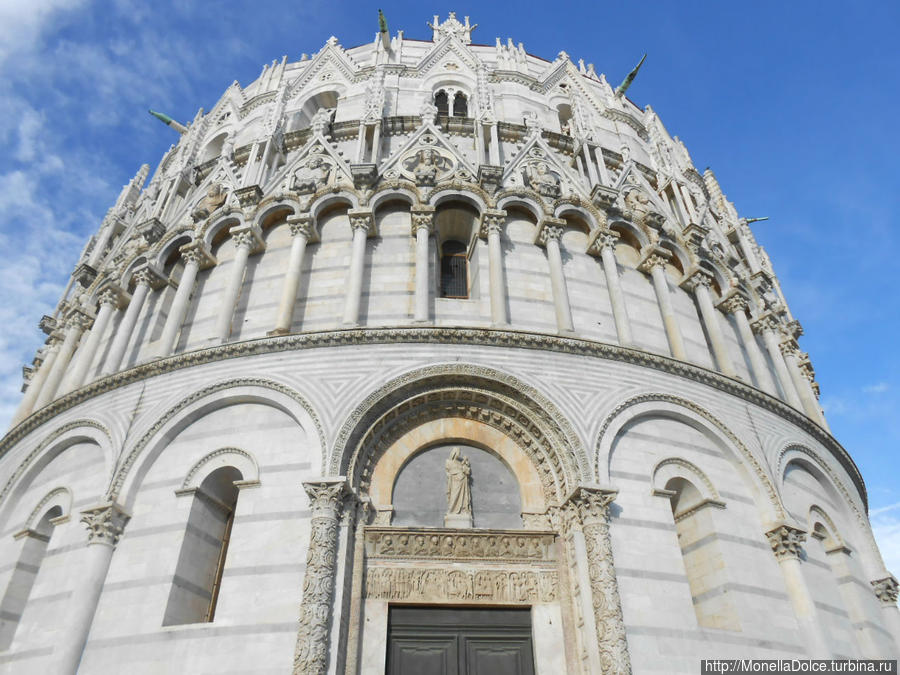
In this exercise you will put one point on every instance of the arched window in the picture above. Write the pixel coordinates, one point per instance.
(454, 270)
(442, 103)
(564, 114)
(34, 547)
(460, 105)
(198, 574)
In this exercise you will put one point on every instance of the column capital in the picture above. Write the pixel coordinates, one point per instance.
(653, 257)
(248, 236)
(762, 323)
(491, 221)
(112, 295)
(549, 228)
(786, 541)
(196, 252)
(695, 277)
(302, 224)
(105, 523)
(327, 495)
(78, 319)
(734, 303)
(149, 275)
(362, 219)
(47, 324)
(789, 347)
(588, 504)
(600, 239)
(886, 589)
(422, 217)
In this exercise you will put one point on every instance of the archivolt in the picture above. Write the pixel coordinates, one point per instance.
(763, 478)
(129, 461)
(468, 391)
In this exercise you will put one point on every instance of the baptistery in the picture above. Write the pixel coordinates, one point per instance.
(428, 356)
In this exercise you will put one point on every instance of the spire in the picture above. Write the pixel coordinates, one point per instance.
(622, 88)
(169, 122)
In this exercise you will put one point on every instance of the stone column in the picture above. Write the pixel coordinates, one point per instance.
(787, 543)
(361, 222)
(654, 263)
(809, 376)
(422, 226)
(604, 245)
(548, 235)
(196, 257)
(100, 244)
(491, 224)
(587, 510)
(699, 281)
(37, 382)
(736, 305)
(791, 353)
(247, 239)
(105, 524)
(494, 151)
(302, 231)
(326, 498)
(589, 163)
(765, 325)
(108, 301)
(75, 325)
(145, 278)
(886, 591)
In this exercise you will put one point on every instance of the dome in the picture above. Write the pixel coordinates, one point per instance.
(423, 351)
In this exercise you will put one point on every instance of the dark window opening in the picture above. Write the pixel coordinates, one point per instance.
(442, 103)
(460, 105)
(454, 270)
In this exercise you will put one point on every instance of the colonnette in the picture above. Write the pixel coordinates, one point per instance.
(371, 255)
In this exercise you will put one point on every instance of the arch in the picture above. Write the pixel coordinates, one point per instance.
(330, 199)
(211, 230)
(58, 498)
(239, 459)
(528, 202)
(585, 214)
(681, 257)
(325, 96)
(137, 462)
(128, 271)
(173, 240)
(269, 208)
(212, 148)
(817, 518)
(442, 194)
(667, 405)
(802, 454)
(676, 467)
(630, 232)
(385, 196)
(78, 431)
(466, 391)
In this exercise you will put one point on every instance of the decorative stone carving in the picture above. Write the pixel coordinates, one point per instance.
(422, 584)
(588, 509)
(428, 163)
(216, 194)
(601, 239)
(786, 541)
(491, 223)
(317, 171)
(422, 217)
(321, 121)
(538, 175)
(459, 493)
(327, 499)
(437, 544)
(105, 523)
(196, 252)
(151, 230)
(886, 589)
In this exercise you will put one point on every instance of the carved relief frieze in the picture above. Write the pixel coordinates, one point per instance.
(462, 584)
(438, 544)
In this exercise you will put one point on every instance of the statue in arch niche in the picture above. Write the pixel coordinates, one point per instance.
(459, 492)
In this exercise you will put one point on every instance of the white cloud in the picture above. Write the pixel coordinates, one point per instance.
(878, 388)
(886, 527)
(23, 21)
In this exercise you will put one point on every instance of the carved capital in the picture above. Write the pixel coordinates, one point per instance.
(248, 236)
(786, 541)
(196, 252)
(695, 278)
(105, 523)
(301, 225)
(47, 324)
(550, 228)
(653, 257)
(886, 589)
(364, 175)
(789, 347)
(326, 496)
(601, 239)
(422, 217)
(490, 177)
(149, 275)
(109, 296)
(734, 303)
(361, 219)
(764, 322)
(589, 505)
(491, 222)
(78, 320)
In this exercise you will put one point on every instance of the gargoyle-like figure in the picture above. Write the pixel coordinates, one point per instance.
(214, 199)
(318, 171)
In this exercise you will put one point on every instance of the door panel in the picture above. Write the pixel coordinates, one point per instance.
(442, 641)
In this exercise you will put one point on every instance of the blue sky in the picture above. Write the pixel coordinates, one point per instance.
(792, 105)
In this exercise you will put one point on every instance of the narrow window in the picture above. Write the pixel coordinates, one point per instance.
(454, 272)
(34, 547)
(442, 103)
(460, 105)
(201, 562)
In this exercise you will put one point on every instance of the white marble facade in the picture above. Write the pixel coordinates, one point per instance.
(260, 338)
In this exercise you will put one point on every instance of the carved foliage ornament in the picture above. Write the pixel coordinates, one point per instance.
(786, 542)
(105, 523)
(886, 590)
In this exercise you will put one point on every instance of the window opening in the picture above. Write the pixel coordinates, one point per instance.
(442, 103)
(454, 270)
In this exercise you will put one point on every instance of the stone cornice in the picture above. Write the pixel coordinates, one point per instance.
(431, 335)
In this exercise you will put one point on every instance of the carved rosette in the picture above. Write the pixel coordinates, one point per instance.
(588, 509)
(886, 589)
(327, 500)
(786, 542)
(105, 523)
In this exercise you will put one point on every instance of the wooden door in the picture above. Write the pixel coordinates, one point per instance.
(445, 641)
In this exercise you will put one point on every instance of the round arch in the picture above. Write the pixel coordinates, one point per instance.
(136, 462)
(648, 405)
(58, 498)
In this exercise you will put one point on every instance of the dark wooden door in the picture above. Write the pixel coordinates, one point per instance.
(433, 641)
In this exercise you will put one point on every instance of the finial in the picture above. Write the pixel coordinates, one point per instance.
(622, 88)
(383, 30)
(755, 220)
(169, 122)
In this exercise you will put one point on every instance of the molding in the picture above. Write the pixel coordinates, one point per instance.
(430, 335)
(400, 543)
